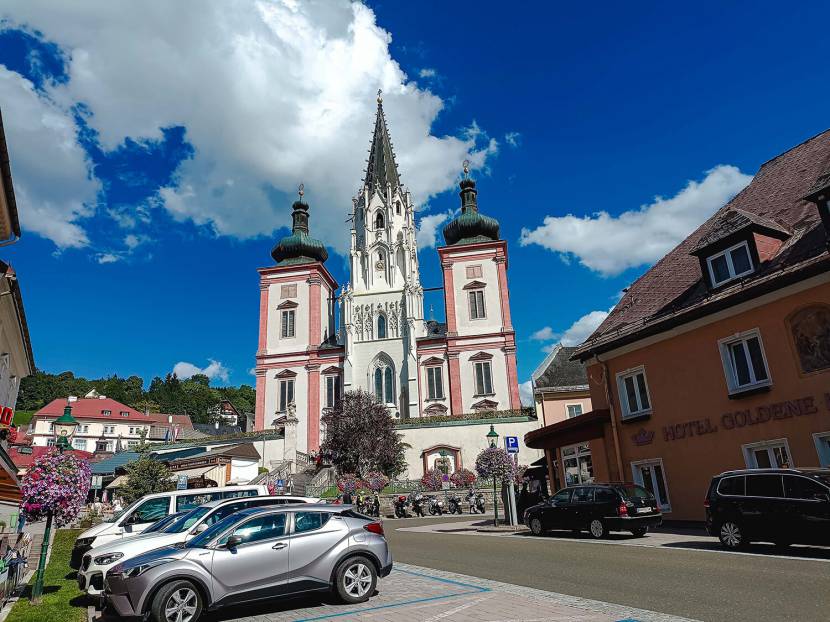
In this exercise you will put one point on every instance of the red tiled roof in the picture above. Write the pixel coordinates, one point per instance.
(24, 461)
(675, 285)
(90, 408)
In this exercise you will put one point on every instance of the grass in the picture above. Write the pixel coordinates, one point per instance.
(62, 600)
(23, 417)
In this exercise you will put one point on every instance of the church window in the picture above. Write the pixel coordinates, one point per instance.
(484, 380)
(287, 324)
(435, 385)
(387, 380)
(332, 391)
(476, 298)
(381, 327)
(286, 394)
(379, 220)
(474, 272)
(379, 384)
(397, 207)
(384, 385)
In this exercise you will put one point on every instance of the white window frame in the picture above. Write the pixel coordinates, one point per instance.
(637, 475)
(727, 253)
(822, 441)
(332, 391)
(729, 369)
(473, 306)
(288, 324)
(749, 448)
(79, 440)
(568, 412)
(284, 382)
(433, 395)
(623, 395)
(489, 377)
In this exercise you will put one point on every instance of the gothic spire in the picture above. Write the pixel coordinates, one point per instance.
(299, 247)
(382, 168)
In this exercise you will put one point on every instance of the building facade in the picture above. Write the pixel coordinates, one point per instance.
(382, 344)
(718, 357)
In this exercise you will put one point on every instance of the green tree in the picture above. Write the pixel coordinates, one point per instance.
(146, 476)
(361, 437)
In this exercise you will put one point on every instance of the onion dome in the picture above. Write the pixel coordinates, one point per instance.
(470, 226)
(299, 247)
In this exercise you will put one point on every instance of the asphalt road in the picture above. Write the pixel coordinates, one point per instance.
(699, 584)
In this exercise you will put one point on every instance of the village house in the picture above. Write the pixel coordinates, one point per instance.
(718, 357)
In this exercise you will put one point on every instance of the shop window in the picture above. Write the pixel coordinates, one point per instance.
(286, 394)
(767, 455)
(744, 362)
(484, 380)
(577, 463)
(651, 475)
(822, 441)
(476, 299)
(810, 330)
(634, 396)
(730, 264)
(435, 385)
(287, 324)
(574, 410)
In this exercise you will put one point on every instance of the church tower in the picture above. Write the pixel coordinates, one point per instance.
(382, 306)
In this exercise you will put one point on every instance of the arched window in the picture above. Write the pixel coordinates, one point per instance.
(397, 207)
(379, 221)
(381, 327)
(390, 396)
(379, 385)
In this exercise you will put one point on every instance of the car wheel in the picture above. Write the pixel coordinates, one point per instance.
(597, 528)
(179, 601)
(355, 580)
(731, 536)
(639, 532)
(536, 526)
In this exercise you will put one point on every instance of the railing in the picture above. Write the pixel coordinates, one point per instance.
(281, 471)
(303, 459)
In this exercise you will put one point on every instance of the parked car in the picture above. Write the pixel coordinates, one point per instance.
(140, 514)
(98, 560)
(783, 506)
(164, 523)
(599, 508)
(256, 554)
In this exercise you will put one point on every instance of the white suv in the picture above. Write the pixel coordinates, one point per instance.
(98, 560)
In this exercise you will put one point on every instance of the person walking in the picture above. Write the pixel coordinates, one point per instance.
(347, 497)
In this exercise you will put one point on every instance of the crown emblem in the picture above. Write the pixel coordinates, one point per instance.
(643, 437)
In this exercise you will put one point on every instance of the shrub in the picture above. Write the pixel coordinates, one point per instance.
(432, 479)
(463, 478)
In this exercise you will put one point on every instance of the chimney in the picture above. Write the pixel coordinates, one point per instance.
(72, 398)
(170, 419)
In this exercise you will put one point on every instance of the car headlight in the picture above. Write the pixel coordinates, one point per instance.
(81, 542)
(139, 570)
(109, 558)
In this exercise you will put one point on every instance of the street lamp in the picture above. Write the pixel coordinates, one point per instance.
(64, 429)
(492, 440)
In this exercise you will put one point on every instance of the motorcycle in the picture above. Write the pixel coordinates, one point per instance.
(476, 501)
(454, 504)
(400, 507)
(436, 506)
(417, 501)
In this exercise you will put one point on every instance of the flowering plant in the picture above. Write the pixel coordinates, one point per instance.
(462, 478)
(349, 482)
(432, 479)
(57, 483)
(376, 481)
(496, 463)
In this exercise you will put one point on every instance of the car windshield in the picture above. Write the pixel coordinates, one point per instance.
(186, 521)
(163, 523)
(632, 491)
(204, 538)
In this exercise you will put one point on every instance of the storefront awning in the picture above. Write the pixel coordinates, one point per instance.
(118, 482)
(570, 431)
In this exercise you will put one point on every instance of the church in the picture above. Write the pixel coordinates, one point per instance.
(382, 343)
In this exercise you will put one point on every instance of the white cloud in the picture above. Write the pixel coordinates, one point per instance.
(526, 393)
(427, 233)
(543, 334)
(50, 170)
(103, 258)
(427, 72)
(611, 244)
(132, 241)
(514, 139)
(215, 370)
(580, 330)
(271, 93)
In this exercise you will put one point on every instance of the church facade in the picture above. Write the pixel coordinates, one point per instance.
(383, 344)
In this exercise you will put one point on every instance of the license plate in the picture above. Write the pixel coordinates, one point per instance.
(643, 510)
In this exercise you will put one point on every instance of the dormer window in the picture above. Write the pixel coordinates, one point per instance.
(730, 264)
(106, 413)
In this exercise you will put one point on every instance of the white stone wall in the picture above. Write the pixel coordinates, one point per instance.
(243, 470)
(469, 437)
(498, 374)
(275, 343)
(272, 396)
(492, 322)
(91, 430)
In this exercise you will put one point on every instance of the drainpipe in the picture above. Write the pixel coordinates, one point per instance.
(614, 431)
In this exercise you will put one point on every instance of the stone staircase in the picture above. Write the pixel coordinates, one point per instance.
(301, 480)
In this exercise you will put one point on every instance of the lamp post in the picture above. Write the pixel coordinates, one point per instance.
(492, 440)
(64, 429)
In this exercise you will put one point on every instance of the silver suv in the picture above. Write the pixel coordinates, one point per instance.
(253, 555)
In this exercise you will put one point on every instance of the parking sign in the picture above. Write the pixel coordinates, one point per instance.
(511, 443)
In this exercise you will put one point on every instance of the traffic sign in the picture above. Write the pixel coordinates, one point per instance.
(181, 483)
(511, 443)
(97, 481)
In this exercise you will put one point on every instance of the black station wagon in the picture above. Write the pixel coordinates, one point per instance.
(597, 508)
(783, 506)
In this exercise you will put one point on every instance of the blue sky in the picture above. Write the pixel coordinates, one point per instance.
(155, 152)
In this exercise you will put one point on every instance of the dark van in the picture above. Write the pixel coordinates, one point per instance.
(783, 506)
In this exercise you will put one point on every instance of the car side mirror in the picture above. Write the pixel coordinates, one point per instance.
(233, 542)
(200, 528)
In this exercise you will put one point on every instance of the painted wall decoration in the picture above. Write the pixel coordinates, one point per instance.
(811, 335)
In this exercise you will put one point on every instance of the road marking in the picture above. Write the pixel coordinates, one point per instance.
(454, 610)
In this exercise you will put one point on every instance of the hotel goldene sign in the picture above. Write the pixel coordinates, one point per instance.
(800, 407)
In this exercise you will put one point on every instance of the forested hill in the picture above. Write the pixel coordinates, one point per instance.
(192, 396)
